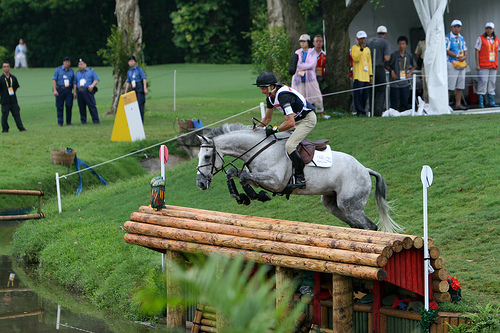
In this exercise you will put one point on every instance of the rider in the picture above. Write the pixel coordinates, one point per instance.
(298, 116)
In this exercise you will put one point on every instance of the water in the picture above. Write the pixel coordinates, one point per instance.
(23, 311)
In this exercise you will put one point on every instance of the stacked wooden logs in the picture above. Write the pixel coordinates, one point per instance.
(440, 285)
(205, 319)
(321, 248)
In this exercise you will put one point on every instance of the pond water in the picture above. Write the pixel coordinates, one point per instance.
(23, 310)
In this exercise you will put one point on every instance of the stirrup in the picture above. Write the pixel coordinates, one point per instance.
(299, 182)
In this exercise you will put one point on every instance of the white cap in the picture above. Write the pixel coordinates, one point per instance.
(456, 22)
(361, 34)
(304, 37)
(382, 29)
(490, 25)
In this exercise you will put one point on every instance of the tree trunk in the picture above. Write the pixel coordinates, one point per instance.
(129, 22)
(294, 22)
(275, 14)
(337, 18)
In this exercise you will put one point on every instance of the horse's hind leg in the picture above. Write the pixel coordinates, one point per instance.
(353, 216)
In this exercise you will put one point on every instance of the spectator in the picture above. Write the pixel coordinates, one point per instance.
(20, 55)
(8, 89)
(62, 87)
(456, 49)
(136, 78)
(362, 72)
(320, 64)
(420, 53)
(304, 80)
(383, 55)
(402, 66)
(84, 86)
(487, 64)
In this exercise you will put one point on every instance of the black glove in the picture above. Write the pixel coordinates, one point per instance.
(269, 131)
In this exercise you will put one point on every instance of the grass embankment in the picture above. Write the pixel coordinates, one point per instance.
(83, 248)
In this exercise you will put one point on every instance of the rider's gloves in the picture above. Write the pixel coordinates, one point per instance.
(271, 131)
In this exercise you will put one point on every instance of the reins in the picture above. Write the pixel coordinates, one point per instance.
(215, 153)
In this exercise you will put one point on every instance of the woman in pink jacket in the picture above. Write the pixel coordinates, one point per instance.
(304, 79)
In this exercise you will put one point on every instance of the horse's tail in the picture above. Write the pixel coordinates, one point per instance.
(386, 223)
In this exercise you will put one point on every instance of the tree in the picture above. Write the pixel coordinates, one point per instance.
(125, 40)
(338, 17)
(294, 21)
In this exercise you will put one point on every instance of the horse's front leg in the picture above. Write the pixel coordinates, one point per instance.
(269, 181)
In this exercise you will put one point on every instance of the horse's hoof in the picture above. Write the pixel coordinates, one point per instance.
(244, 199)
(263, 196)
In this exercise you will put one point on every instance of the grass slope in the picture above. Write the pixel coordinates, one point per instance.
(83, 248)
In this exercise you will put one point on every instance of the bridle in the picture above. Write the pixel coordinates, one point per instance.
(214, 170)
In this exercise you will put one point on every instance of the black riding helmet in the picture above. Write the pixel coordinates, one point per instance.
(266, 79)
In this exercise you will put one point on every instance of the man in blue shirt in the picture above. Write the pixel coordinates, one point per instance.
(62, 87)
(84, 84)
(456, 49)
(136, 78)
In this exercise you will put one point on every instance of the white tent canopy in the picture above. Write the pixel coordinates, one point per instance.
(431, 13)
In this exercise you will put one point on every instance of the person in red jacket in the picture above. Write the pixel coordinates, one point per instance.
(487, 64)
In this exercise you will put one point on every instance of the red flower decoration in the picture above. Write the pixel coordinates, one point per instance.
(453, 283)
(433, 305)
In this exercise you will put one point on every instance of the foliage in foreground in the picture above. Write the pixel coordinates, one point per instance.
(245, 301)
(485, 320)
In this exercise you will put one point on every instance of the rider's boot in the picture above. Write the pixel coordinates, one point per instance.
(298, 165)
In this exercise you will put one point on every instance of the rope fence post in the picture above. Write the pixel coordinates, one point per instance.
(414, 94)
(262, 110)
(372, 113)
(175, 83)
(58, 188)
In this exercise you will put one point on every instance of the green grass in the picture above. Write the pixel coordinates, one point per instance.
(83, 248)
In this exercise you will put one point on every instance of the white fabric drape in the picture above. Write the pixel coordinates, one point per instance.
(431, 13)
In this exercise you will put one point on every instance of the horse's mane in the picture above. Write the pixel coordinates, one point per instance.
(228, 128)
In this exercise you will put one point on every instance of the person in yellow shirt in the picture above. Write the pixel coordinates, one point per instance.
(362, 72)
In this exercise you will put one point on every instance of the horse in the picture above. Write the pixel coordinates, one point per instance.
(344, 187)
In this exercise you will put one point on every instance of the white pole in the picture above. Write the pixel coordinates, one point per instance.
(414, 94)
(58, 320)
(426, 177)
(373, 83)
(262, 110)
(175, 83)
(58, 188)
(162, 161)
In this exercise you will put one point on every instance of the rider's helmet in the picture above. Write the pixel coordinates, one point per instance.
(266, 79)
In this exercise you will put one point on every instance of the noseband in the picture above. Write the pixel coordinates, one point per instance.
(214, 170)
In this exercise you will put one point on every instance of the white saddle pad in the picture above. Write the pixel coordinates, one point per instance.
(322, 159)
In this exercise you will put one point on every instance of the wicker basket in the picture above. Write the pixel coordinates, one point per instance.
(61, 157)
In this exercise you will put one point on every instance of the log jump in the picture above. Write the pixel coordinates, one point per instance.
(38, 193)
(343, 252)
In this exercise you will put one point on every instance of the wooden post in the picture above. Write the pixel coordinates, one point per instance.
(342, 304)
(175, 314)
(284, 275)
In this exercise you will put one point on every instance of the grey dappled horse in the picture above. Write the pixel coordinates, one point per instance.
(344, 187)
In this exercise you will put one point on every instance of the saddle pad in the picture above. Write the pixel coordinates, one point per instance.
(322, 159)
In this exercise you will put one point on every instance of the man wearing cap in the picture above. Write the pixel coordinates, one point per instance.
(136, 78)
(402, 66)
(84, 85)
(62, 87)
(383, 55)
(487, 64)
(304, 80)
(361, 71)
(456, 49)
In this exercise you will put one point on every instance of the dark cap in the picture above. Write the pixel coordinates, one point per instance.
(82, 60)
(67, 58)
(132, 58)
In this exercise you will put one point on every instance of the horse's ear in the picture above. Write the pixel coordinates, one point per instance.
(202, 139)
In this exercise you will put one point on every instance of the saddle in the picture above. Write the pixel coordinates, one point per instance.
(307, 148)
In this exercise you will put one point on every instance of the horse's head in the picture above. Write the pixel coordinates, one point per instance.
(209, 163)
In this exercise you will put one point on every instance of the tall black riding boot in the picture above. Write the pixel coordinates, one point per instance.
(298, 165)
